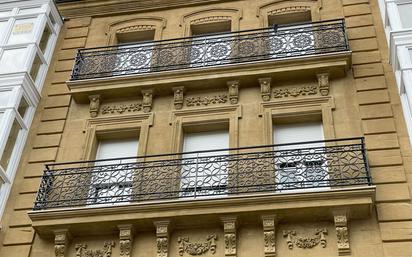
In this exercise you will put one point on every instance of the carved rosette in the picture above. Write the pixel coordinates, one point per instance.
(305, 242)
(61, 240)
(269, 235)
(229, 228)
(82, 251)
(126, 239)
(265, 88)
(197, 248)
(323, 81)
(147, 100)
(233, 91)
(178, 97)
(94, 105)
(162, 238)
(295, 92)
(342, 232)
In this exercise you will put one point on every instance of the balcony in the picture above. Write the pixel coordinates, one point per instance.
(314, 47)
(312, 176)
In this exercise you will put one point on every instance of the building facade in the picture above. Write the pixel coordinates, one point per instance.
(215, 128)
(28, 35)
(396, 16)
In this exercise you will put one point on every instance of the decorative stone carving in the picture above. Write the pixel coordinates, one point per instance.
(178, 97)
(289, 9)
(136, 28)
(122, 108)
(269, 235)
(295, 92)
(197, 248)
(229, 228)
(292, 239)
(233, 91)
(162, 238)
(61, 239)
(265, 88)
(94, 105)
(147, 100)
(210, 19)
(342, 232)
(206, 100)
(323, 81)
(126, 240)
(82, 251)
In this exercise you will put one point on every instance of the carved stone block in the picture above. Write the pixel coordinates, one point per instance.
(229, 228)
(178, 97)
(162, 238)
(125, 240)
(233, 91)
(94, 105)
(269, 235)
(265, 89)
(61, 240)
(185, 246)
(305, 241)
(82, 251)
(342, 232)
(147, 100)
(323, 81)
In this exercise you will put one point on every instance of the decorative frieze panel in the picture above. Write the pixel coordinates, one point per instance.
(306, 241)
(94, 105)
(162, 238)
(265, 88)
(206, 100)
(125, 240)
(233, 91)
(342, 232)
(295, 91)
(269, 235)
(61, 240)
(82, 251)
(197, 248)
(229, 228)
(121, 108)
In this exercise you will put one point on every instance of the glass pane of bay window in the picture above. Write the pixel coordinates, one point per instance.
(35, 68)
(12, 60)
(23, 106)
(405, 11)
(10, 145)
(45, 39)
(3, 25)
(4, 98)
(22, 31)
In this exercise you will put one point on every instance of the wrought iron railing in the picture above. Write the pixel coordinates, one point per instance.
(299, 167)
(271, 43)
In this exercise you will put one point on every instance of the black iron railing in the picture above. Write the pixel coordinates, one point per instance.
(271, 43)
(330, 164)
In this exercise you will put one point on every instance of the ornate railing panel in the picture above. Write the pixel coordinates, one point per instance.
(312, 165)
(237, 47)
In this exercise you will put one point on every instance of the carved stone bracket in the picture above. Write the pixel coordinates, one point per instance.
(292, 239)
(342, 232)
(295, 91)
(162, 238)
(94, 105)
(126, 240)
(265, 88)
(82, 251)
(61, 240)
(269, 235)
(323, 81)
(147, 100)
(178, 97)
(229, 228)
(233, 91)
(197, 248)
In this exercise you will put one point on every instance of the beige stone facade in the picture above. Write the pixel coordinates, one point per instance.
(352, 93)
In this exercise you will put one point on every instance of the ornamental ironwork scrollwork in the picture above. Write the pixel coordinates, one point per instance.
(285, 41)
(185, 246)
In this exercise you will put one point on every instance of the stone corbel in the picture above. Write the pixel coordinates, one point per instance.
(265, 89)
(126, 240)
(162, 238)
(342, 232)
(323, 81)
(233, 91)
(178, 97)
(61, 241)
(269, 235)
(94, 105)
(147, 100)
(229, 229)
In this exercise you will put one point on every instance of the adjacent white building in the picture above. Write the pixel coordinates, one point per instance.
(28, 35)
(397, 19)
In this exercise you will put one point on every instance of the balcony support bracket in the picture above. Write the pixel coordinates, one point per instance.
(125, 240)
(162, 237)
(229, 229)
(323, 81)
(61, 241)
(342, 232)
(265, 88)
(233, 91)
(94, 108)
(178, 97)
(269, 235)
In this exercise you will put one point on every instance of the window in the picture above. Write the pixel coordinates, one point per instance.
(13, 60)
(23, 107)
(22, 31)
(4, 98)
(36, 68)
(204, 174)
(10, 145)
(209, 49)
(300, 165)
(3, 25)
(112, 181)
(45, 39)
(405, 11)
(137, 54)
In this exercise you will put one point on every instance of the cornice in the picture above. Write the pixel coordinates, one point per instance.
(87, 8)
